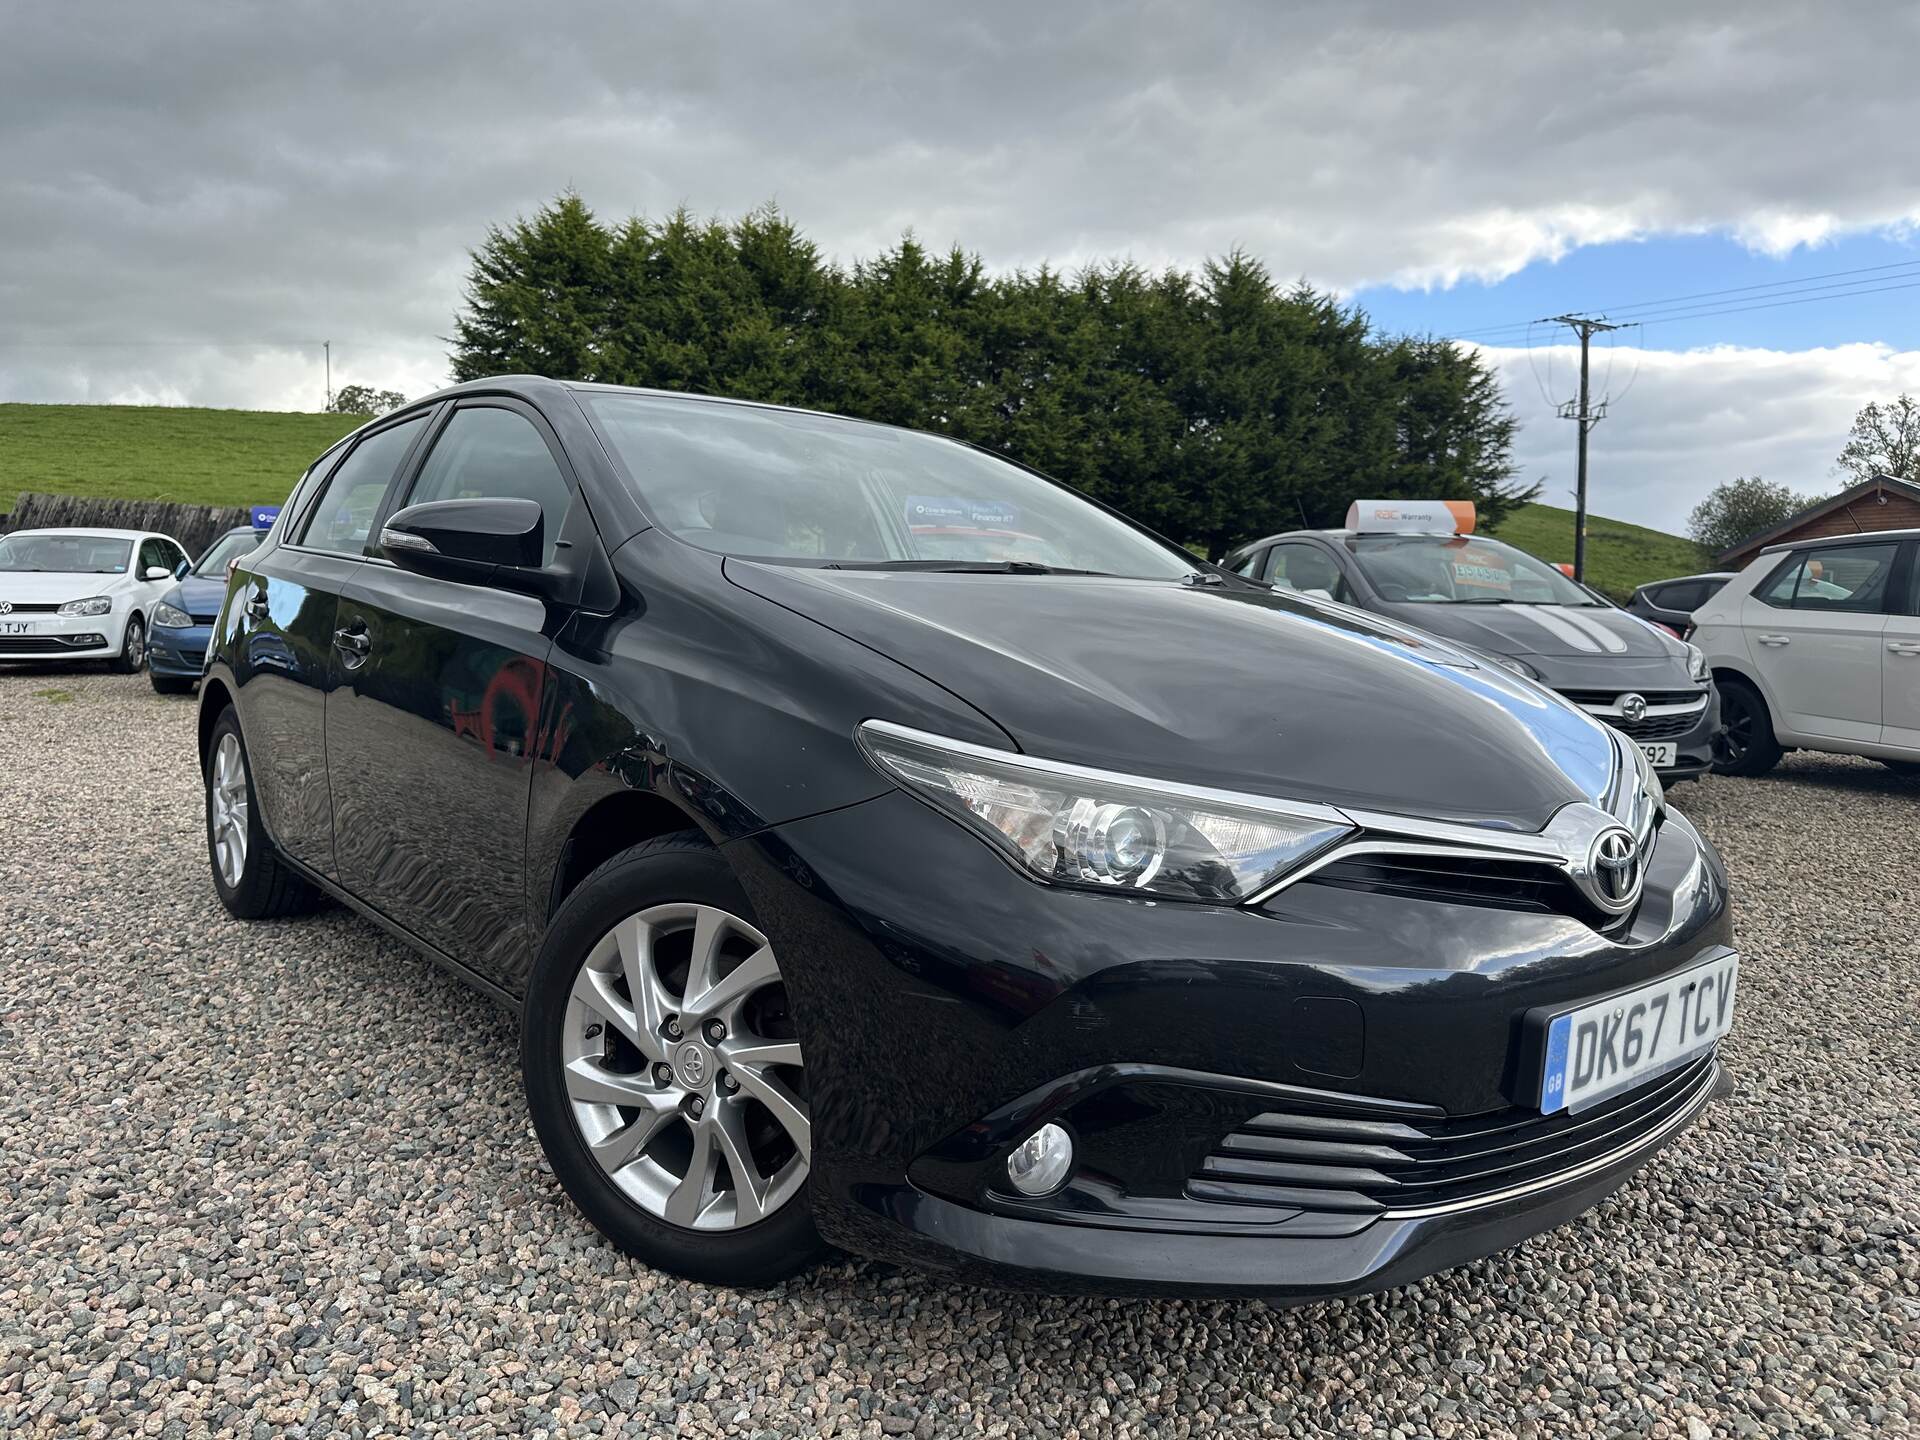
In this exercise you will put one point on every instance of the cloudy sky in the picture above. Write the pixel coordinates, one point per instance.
(194, 196)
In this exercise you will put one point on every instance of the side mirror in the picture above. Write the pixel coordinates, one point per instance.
(497, 542)
(180, 570)
(156, 572)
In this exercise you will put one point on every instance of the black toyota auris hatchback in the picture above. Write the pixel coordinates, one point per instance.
(888, 847)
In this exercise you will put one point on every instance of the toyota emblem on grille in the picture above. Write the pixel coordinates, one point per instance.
(1616, 868)
(1633, 708)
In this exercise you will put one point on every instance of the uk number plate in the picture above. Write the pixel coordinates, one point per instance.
(1599, 1049)
(16, 627)
(1660, 756)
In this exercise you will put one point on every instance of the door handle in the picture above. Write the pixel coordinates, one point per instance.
(1904, 647)
(354, 642)
(1774, 639)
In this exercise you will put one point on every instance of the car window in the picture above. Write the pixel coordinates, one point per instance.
(343, 518)
(490, 453)
(1302, 567)
(1461, 570)
(1250, 563)
(1850, 578)
(213, 564)
(780, 484)
(65, 554)
(1689, 595)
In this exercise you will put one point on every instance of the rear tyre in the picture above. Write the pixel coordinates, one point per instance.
(663, 1071)
(133, 648)
(1746, 745)
(170, 684)
(254, 883)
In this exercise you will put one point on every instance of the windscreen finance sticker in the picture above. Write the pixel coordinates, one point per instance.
(1481, 570)
(939, 512)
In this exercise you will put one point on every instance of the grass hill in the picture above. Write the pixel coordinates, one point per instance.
(159, 452)
(1619, 556)
(238, 457)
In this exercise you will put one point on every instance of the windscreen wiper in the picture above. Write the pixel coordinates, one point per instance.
(960, 567)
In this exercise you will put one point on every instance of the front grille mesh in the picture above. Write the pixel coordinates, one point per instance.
(1365, 1161)
(1500, 884)
(33, 607)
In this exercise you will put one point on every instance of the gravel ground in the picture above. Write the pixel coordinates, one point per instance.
(278, 1180)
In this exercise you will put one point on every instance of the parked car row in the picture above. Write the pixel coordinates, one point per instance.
(127, 596)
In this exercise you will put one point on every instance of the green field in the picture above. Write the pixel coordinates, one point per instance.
(159, 452)
(239, 457)
(1619, 556)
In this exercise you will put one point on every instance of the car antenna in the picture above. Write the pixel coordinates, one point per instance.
(1303, 512)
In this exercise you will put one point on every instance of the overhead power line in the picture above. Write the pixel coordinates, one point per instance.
(1737, 299)
(1587, 416)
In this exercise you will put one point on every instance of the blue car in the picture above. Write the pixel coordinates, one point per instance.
(182, 623)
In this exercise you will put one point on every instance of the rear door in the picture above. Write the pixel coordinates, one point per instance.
(1815, 628)
(278, 637)
(1900, 657)
(431, 729)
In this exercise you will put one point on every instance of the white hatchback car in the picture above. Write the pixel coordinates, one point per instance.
(83, 594)
(1816, 646)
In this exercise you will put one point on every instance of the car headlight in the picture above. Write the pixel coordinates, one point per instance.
(93, 605)
(1071, 825)
(169, 618)
(1697, 664)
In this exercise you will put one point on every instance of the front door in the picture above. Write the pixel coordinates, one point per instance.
(280, 620)
(1815, 630)
(1900, 661)
(432, 725)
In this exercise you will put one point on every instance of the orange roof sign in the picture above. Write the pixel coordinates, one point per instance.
(1411, 517)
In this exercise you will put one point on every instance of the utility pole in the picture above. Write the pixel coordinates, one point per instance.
(327, 345)
(1586, 416)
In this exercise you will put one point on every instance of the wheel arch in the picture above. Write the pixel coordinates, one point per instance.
(215, 698)
(611, 824)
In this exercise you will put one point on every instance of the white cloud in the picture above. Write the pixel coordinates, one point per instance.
(1691, 419)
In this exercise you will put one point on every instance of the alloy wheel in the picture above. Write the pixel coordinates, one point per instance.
(228, 813)
(683, 1070)
(1737, 736)
(135, 646)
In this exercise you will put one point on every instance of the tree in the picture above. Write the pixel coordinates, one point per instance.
(1215, 406)
(1885, 440)
(1744, 506)
(364, 400)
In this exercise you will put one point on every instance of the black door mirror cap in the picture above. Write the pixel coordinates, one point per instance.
(487, 531)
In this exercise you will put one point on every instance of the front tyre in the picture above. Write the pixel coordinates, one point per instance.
(663, 1070)
(253, 882)
(133, 648)
(1746, 745)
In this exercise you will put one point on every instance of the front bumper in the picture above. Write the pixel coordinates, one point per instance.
(1690, 726)
(180, 653)
(64, 637)
(948, 1006)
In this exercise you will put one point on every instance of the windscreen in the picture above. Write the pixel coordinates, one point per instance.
(1460, 570)
(776, 484)
(66, 554)
(235, 543)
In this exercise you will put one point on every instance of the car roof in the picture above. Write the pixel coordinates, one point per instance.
(1677, 579)
(104, 532)
(1864, 537)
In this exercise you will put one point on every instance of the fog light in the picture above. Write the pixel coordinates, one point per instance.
(1040, 1165)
